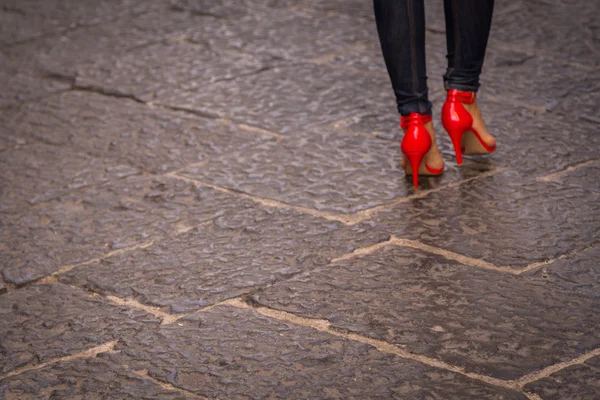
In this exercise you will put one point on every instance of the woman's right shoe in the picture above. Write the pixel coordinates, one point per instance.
(458, 121)
(416, 144)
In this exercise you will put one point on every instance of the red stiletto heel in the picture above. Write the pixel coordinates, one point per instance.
(457, 121)
(416, 143)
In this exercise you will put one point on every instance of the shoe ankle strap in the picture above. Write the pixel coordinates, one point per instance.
(461, 97)
(414, 119)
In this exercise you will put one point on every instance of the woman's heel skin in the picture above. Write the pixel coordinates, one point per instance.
(457, 121)
(416, 142)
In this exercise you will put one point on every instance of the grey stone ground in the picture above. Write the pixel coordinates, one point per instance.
(202, 199)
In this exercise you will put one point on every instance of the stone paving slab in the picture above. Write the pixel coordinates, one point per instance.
(488, 322)
(93, 222)
(242, 251)
(578, 382)
(541, 82)
(584, 176)
(323, 171)
(354, 8)
(142, 72)
(19, 87)
(230, 9)
(44, 322)
(245, 355)
(40, 172)
(28, 19)
(563, 29)
(152, 139)
(537, 144)
(8, 142)
(504, 219)
(291, 98)
(62, 53)
(293, 33)
(577, 273)
(83, 379)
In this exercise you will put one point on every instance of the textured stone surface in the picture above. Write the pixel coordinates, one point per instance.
(312, 71)
(541, 82)
(61, 54)
(229, 9)
(290, 98)
(579, 273)
(245, 355)
(20, 87)
(92, 222)
(578, 382)
(189, 67)
(9, 142)
(152, 139)
(295, 33)
(585, 176)
(562, 29)
(30, 19)
(323, 171)
(432, 306)
(506, 219)
(83, 379)
(40, 172)
(243, 250)
(537, 144)
(43, 322)
(360, 8)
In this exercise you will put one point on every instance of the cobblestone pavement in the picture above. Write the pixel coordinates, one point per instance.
(202, 199)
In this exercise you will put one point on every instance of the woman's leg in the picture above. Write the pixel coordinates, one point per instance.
(468, 24)
(401, 28)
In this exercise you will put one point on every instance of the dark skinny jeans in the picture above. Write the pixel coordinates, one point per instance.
(401, 28)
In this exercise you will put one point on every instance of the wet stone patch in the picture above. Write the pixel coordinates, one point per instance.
(326, 171)
(577, 273)
(241, 251)
(45, 322)
(85, 378)
(562, 29)
(294, 33)
(151, 139)
(435, 307)
(574, 382)
(94, 222)
(506, 219)
(289, 98)
(38, 172)
(191, 67)
(245, 355)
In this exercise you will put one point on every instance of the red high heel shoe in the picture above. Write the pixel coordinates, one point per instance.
(458, 121)
(417, 143)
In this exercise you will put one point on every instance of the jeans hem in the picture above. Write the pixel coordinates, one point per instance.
(416, 107)
(461, 87)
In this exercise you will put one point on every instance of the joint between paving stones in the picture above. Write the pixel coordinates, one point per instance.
(382, 346)
(555, 175)
(346, 219)
(546, 372)
(54, 276)
(165, 318)
(107, 347)
(385, 347)
(144, 374)
(465, 260)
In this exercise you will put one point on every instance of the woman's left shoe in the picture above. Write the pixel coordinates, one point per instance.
(460, 116)
(416, 144)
